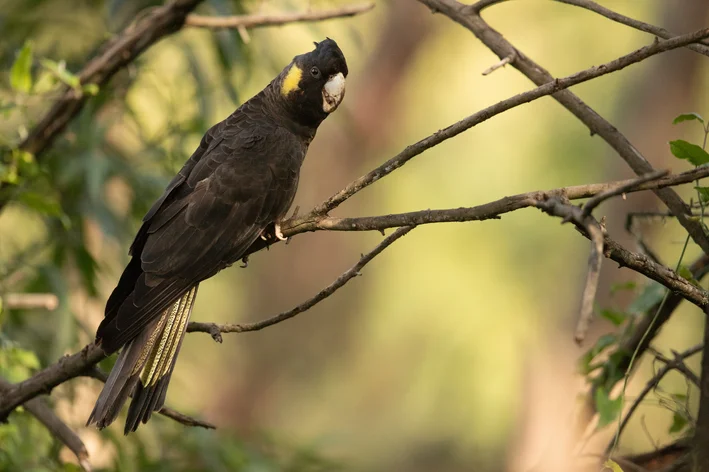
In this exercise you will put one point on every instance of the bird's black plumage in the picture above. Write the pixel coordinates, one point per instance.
(241, 179)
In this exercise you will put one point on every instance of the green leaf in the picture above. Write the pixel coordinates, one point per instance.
(26, 358)
(612, 465)
(615, 317)
(21, 73)
(623, 286)
(678, 423)
(688, 151)
(41, 203)
(703, 193)
(608, 409)
(59, 70)
(650, 296)
(603, 343)
(688, 117)
(91, 89)
(45, 82)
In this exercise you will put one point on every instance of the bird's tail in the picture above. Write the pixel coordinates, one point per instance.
(144, 367)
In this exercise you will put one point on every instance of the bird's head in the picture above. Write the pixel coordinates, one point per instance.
(313, 84)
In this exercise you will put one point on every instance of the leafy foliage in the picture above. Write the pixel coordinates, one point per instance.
(688, 151)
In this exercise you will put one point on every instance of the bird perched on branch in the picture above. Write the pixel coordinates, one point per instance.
(237, 185)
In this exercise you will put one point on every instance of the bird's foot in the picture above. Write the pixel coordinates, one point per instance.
(266, 234)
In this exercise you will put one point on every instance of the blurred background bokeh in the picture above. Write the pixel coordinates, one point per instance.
(453, 351)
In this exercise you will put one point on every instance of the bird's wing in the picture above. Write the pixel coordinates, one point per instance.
(211, 139)
(213, 215)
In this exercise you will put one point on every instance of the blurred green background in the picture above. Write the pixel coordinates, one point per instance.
(453, 350)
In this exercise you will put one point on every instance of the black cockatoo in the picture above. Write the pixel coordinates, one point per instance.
(240, 181)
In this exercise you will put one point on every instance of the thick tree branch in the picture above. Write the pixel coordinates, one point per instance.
(215, 330)
(672, 453)
(55, 426)
(277, 19)
(597, 124)
(116, 54)
(702, 47)
(659, 273)
(46, 379)
(547, 87)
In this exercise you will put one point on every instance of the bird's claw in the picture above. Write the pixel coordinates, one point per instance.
(279, 233)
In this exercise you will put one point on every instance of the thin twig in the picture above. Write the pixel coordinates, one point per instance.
(471, 20)
(679, 365)
(215, 330)
(653, 383)
(29, 301)
(486, 211)
(98, 374)
(56, 427)
(593, 202)
(480, 5)
(702, 47)
(560, 208)
(550, 86)
(275, 19)
(639, 239)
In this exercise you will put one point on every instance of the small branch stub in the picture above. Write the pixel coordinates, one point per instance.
(502, 63)
(30, 301)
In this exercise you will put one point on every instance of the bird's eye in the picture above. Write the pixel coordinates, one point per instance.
(315, 72)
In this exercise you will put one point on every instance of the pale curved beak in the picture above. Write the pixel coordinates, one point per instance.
(333, 92)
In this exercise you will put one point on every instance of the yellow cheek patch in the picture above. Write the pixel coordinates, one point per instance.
(290, 83)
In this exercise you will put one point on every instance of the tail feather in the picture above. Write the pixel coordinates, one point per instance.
(144, 368)
(120, 381)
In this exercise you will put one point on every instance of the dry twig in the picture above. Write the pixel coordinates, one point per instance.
(275, 19)
(29, 301)
(98, 374)
(548, 86)
(471, 19)
(701, 47)
(215, 330)
(652, 384)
